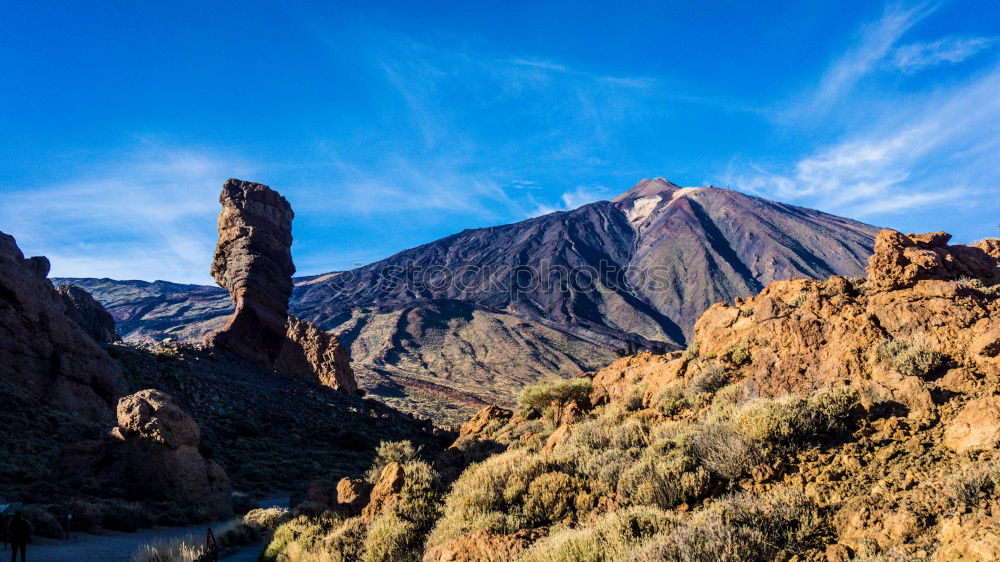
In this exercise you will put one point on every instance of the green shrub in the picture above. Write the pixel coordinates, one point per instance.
(392, 538)
(909, 359)
(709, 380)
(761, 429)
(540, 398)
(490, 495)
(613, 537)
(741, 528)
(389, 452)
(671, 401)
(300, 536)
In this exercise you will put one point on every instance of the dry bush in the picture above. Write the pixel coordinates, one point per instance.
(299, 537)
(613, 537)
(266, 519)
(540, 398)
(910, 359)
(708, 380)
(671, 401)
(490, 495)
(741, 528)
(388, 453)
(759, 430)
(184, 549)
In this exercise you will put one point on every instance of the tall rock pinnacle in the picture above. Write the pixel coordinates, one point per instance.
(253, 261)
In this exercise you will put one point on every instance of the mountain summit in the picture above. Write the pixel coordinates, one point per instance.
(656, 187)
(473, 317)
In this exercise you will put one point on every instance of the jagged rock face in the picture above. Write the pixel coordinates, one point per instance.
(901, 260)
(253, 261)
(308, 352)
(151, 454)
(801, 334)
(88, 314)
(42, 349)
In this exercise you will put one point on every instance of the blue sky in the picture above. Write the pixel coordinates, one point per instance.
(392, 124)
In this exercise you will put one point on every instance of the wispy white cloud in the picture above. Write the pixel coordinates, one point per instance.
(914, 57)
(149, 216)
(935, 149)
(875, 41)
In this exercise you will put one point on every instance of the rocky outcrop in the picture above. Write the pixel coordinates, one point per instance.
(309, 352)
(253, 261)
(42, 349)
(976, 428)
(151, 454)
(89, 314)
(901, 260)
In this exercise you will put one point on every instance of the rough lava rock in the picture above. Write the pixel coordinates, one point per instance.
(307, 351)
(42, 349)
(89, 314)
(151, 454)
(253, 261)
(800, 334)
(901, 260)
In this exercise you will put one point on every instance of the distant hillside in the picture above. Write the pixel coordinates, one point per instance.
(475, 316)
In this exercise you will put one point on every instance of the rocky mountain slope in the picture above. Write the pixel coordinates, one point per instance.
(819, 420)
(473, 317)
(259, 406)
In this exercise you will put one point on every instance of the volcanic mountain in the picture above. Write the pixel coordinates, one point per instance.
(473, 317)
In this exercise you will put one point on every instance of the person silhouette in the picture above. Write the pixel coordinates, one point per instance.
(19, 532)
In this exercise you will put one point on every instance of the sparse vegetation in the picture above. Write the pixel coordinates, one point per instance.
(910, 359)
(390, 452)
(539, 399)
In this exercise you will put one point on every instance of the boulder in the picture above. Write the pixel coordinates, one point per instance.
(976, 427)
(42, 349)
(353, 495)
(483, 418)
(89, 314)
(386, 491)
(152, 415)
(152, 454)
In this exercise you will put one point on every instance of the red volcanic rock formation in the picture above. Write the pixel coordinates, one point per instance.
(153, 454)
(89, 314)
(253, 261)
(307, 351)
(42, 349)
(901, 260)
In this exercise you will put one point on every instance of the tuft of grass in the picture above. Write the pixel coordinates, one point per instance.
(910, 359)
(183, 549)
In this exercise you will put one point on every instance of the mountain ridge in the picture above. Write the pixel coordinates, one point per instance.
(485, 311)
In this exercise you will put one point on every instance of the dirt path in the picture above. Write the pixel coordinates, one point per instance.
(114, 546)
